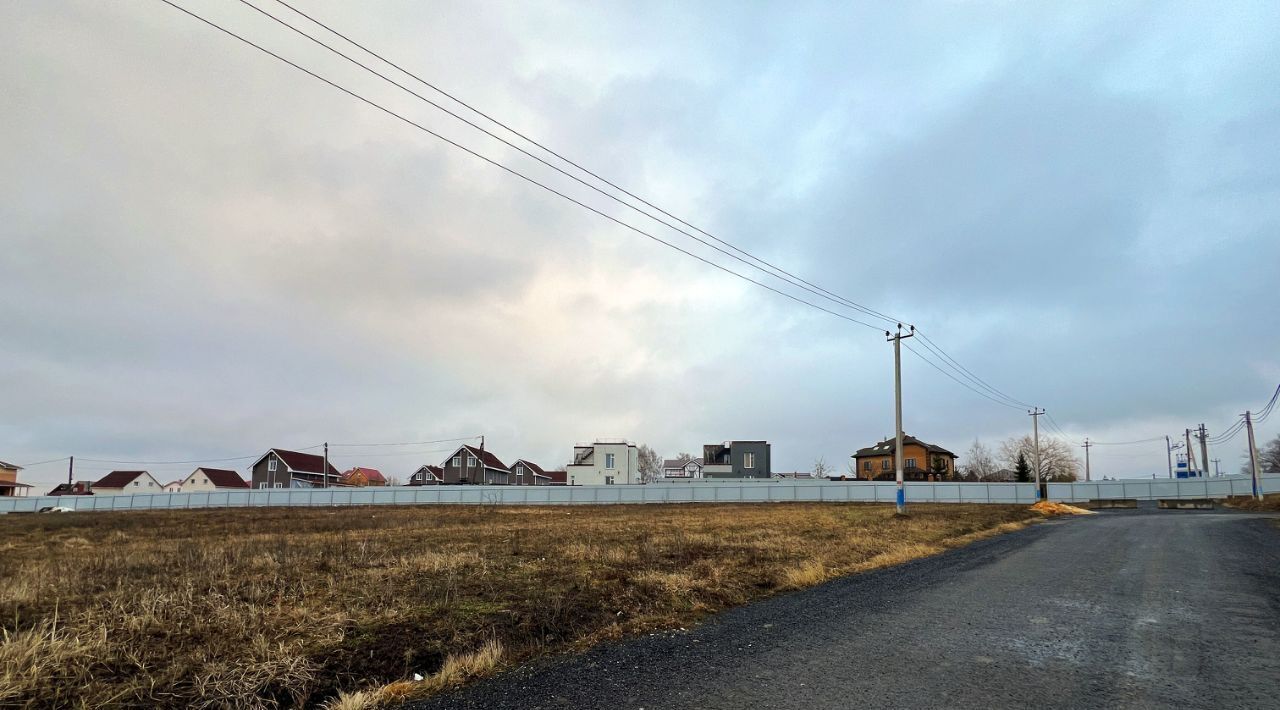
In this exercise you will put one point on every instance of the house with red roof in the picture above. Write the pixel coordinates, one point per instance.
(472, 465)
(557, 478)
(429, 475)
(118, 483)
(281, 468)
(361, 477)
(212, 479)
(528, 473)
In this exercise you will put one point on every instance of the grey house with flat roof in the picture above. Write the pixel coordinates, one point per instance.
(737, 459)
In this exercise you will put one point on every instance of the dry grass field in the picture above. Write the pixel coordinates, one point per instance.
(302, 607)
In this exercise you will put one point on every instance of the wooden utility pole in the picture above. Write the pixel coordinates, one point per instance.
(901, 496)
(71, 469)
(1035, 429)
(324, 471)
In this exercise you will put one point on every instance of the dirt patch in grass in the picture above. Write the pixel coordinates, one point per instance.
(344, 607)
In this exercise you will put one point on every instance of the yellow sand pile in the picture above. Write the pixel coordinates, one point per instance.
(1045, 507)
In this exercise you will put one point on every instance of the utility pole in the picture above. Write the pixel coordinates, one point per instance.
(324, 472)
(897, 411)
(1086, 459)
(1253, 455)
(1168, 450)
(1191, 455)
(484, 472)
(1204, 450)
(1035, 428)
(71, 468)
(1216, 472)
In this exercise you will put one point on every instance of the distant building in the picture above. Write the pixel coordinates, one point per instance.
(919, 461)
(79, 488)
(360, 477)
(604, 463)
(429, 475)
(173, 486)
(212, 479)
(737, 459)
(9, 486)
(528, 473)
(280, 468)
(557, 478)
(119, 483)
(682, 468)
(796, 475)
(474, 466)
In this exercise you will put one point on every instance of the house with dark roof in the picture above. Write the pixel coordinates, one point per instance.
(528, 473)
(472, 465)
(118, 483)
(921, 461)
(212, 479)
(9, 486)
(557, 478)
(683, 467)
(281, 468)
(360, 477)
(428, 475)
(79, 488)
(737, 459)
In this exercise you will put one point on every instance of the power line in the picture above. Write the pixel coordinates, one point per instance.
(163, 463)
(41, 463)
(1127, 443)
(779, 271)
(772, 271)
(928, 343)
(1054, 423)
(415, 443)
(960, 382)
(513, 171)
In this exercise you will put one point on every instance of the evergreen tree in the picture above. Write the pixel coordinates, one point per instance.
(1022, 470)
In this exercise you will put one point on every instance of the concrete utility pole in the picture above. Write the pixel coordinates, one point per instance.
(1191, 455)
(484, 472)
(1204, 450)
(1035, 428)
(897, 410)
(71, 468)
(324, 472)
(1086, 459)
(1253, 455)
(1168, 450)
(1216, 472)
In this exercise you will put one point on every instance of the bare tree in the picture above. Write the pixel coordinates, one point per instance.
(980, 463)
(1268, 458)
(820, 468)
(650, 464)
(1058, 462)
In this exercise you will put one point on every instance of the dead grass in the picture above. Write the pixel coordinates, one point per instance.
(342, 607)
(1268, 504)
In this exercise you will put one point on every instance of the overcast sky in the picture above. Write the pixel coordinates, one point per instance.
(207, 253)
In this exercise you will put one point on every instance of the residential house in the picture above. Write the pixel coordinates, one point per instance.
(737, 459)
(557, 478)
(429, 475)
(279, 468)
(475, 466)
(79, 488)
(797, 475)
(9, 486)
(920, 461)
(212, 479)
(173, 486)
(361, 477)
(118, 483)
(682, 468)
(606, 462)
(528, 473)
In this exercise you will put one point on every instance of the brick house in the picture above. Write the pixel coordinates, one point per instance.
(920, 460)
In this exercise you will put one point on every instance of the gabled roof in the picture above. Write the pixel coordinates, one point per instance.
(431, 468)
(680, 463)
(886, 447)
(118, 479)
(10, 466)
(300, 462)
(486, 457)
(176, 482)
(535, 468)
(222, 478)
(558, 476)
(67, 489)
(370, 474)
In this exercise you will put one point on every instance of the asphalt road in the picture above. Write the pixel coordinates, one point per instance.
(1117, 610)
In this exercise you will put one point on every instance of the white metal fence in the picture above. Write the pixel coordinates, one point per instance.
(764, 491)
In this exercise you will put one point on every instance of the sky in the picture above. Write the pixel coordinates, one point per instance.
(208, 253)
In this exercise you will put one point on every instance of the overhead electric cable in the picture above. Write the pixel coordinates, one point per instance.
(960, 382)
(513, 171)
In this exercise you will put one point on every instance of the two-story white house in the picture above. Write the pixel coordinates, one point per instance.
(606, 462)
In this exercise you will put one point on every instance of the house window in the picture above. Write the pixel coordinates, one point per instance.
(866, 465)
(137, 483)
(885, 464)
(749, 460)
(262, 485)
(608, 463)
(271, 464)
(279, 485)
(608, 480)
(457, 462)
(519, 470)
(471, 461)
(911, 463)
